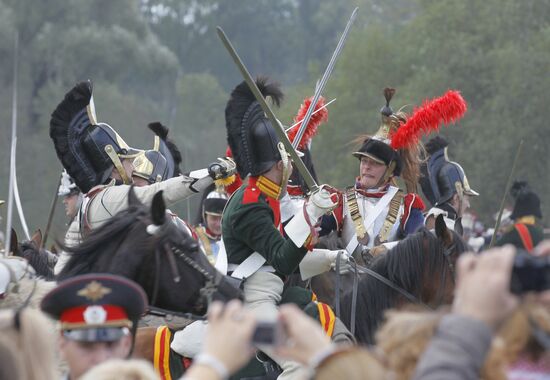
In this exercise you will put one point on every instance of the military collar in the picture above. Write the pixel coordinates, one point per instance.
(371, 193)
(266, 186)
(528, 219)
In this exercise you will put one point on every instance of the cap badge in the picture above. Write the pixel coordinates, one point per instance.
(95, 315)
(94, 291)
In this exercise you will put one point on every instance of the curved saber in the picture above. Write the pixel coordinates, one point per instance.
(321, 86)
(314, 112)
(277, 126)
(13, 191)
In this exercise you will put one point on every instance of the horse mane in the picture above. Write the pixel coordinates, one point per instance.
(105, 241)
(405, 265)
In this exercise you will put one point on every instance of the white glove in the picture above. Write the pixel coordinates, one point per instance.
(345, 266)
(320, 261)
(318, 204)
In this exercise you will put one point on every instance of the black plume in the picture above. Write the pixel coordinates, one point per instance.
(68, 122)
(162, 132)
(239, 102)
(518, 187)
(435, 143)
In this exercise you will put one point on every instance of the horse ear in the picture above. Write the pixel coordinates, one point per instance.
(36, 238)
(13, 241)
(459, 229)
(158, 209)
(133, 200)
(441, 230)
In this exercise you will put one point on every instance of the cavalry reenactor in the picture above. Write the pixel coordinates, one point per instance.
(374, 211)
(102, 163)
(72, 199)
(525, 232)
(445, 185)
(257, 251)
(209, 227)
(97, 316)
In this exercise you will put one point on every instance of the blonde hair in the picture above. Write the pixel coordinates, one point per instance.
(26, 344)
(353, 364)
(119, 369)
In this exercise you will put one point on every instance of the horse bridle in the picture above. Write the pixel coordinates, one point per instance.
(207, 292)
(358, 269)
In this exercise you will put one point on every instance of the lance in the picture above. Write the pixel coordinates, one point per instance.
(51, 214)
(321, 85)
(277, 126)
(506, 190)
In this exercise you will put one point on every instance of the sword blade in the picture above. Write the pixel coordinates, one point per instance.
(314, 112)
(321, 85)
(277, 126)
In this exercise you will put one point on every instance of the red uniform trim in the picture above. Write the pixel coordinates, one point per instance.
(252, 195)
(525, 236)
(76, 314)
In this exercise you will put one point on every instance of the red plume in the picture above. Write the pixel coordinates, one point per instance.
(446, 109)
(314, 122)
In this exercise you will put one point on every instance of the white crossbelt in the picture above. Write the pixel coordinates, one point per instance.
(371, 218)
(253, 263)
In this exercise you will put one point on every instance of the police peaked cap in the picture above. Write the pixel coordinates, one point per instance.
(95, 301)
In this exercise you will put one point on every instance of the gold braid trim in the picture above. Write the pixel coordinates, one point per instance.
(201, 233)
(353, 207)
(395, 203)
(268, 187)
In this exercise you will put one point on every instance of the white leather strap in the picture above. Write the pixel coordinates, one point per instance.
(250, 266)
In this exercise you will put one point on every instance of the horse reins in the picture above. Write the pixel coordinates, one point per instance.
(207, 291)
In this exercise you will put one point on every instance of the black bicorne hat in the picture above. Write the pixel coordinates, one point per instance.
(250, 134)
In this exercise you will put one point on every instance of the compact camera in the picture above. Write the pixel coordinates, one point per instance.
(530, 273)
(269, 334)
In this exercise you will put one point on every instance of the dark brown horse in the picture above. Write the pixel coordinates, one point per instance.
(143, 244)
(421, 266)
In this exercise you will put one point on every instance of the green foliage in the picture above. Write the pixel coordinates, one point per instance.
(160, 60)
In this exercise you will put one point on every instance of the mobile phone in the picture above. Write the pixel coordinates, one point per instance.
(269, 334)
(530, 273)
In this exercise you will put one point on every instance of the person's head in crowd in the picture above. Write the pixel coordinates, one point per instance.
(118, 369)
(97, 314)
(406, 334)
(25, 346)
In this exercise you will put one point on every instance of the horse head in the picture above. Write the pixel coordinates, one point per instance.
(40, 259)
(422, 265)
(153, 247)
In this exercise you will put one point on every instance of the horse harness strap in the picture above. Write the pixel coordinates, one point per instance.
(395, 287)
